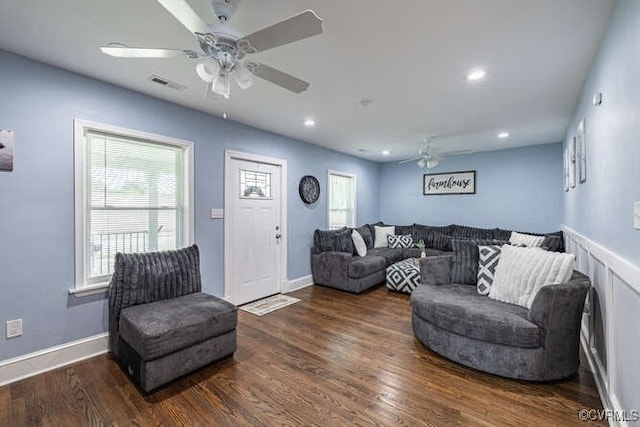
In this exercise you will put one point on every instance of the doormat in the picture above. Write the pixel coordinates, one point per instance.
(269, 304)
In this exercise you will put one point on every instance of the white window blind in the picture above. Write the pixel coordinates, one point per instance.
(342, 200)
(135, 199)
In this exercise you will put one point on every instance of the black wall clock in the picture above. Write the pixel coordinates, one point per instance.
(309, 189)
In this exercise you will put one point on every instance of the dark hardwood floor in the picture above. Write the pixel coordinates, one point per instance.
(331, 359)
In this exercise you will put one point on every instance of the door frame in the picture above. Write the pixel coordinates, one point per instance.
(229, 192)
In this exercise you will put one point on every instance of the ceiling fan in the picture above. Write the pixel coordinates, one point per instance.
(430, 157)
(224, 47)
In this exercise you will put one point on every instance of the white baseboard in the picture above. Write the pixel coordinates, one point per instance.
(28, 365)
(299, 283)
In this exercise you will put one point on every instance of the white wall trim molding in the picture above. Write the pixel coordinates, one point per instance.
(28, 365)
(299, 283)
(608, 273)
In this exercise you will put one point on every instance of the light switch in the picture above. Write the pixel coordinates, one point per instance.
(217, 213)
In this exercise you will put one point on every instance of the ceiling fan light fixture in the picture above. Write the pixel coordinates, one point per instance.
(422, 163)
(221, 85)
(477, 74)
(432, 163)
(208, 69)
(243, 77)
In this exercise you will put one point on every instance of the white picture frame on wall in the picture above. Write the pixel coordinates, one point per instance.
(572, 163)
(565, 169)
(7, 141)
(581, 152)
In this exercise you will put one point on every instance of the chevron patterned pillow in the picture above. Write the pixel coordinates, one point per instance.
(488, 260)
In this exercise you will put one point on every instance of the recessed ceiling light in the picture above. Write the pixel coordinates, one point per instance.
(309, 122)
(385, 152)
(225, 116)
(476, 74)
(503, 135)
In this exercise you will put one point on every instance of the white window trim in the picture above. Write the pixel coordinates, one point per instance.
(81, 288)
(355, 191)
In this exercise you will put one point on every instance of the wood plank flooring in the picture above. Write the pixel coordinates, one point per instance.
(333, 359)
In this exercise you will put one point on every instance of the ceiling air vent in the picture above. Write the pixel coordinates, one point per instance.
(166, 82)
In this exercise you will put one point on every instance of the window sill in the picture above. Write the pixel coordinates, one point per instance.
(84, 291)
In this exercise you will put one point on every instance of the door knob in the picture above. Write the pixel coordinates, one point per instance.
(278, 236)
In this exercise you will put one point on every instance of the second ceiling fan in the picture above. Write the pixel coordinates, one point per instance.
(430, 157)
(223, 47)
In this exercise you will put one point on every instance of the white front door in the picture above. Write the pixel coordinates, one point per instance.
(253, 232)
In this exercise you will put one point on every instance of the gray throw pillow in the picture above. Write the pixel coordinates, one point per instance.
(465, 260)
(344, 242)
(365, 232)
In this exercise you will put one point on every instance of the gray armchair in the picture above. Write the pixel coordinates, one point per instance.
(161, 325)
(539, 344)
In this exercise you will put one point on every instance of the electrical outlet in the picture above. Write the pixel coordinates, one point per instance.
(14, 328)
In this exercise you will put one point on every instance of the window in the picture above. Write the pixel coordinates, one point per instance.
(133, 194)
(342, 200)
(254, 184)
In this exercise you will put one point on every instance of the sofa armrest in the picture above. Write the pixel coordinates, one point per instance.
(436, 270)
(557, 310)
(330, 267)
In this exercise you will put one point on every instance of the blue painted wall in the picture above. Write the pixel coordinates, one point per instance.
(39, 103)
(518, 189)
(601, 208)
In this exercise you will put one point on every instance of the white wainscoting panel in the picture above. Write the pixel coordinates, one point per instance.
(611, 324)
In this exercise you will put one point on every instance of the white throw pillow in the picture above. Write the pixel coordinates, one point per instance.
(358, 243)
(528, 240)
(381, 235)
(522, 272)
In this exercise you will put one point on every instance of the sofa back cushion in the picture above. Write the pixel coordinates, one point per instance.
(344, 242)
(403, 230)
(324, 240)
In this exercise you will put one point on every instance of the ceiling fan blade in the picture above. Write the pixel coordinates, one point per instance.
(144, 52)
(301, 26)
(280, 78)
(413, 159)
(181, 10)
(455, 153)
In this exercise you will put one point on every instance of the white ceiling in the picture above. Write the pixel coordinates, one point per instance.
(409, 57)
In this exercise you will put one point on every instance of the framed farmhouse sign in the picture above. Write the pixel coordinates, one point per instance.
(449, 183)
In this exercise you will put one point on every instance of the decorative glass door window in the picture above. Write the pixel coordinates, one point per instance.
(255, 184)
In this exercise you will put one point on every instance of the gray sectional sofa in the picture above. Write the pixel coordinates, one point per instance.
(334, 262)
(537, 344)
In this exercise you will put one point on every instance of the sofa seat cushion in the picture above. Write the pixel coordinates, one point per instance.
(163, 327)
(363, 266)
(390, 255)
(460, 309)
